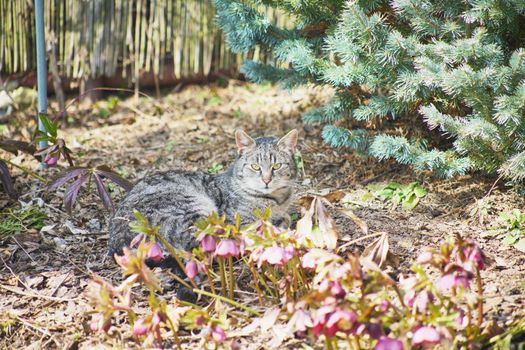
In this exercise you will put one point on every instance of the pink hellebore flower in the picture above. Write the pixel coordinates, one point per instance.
(139, 328)
(337, 290)
(218, 334)
(273, 255)
(208, 243)
(51, 160)
(426, 337)
(340, 320)
(384, 306)
(136, 241)
(308, 261)
(422, 299)
(289, 253)
(122, 260)
(386, 343)
(227, 248)
(98, 323)
(155, 252)
(452, 280)
(191, 269)
(475, 257)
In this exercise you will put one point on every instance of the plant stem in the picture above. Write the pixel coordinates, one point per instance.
(173, 252)
(480, 298)
(223, 275)
(230, 266)
(210, 281)
(227, 300)
(25, 170)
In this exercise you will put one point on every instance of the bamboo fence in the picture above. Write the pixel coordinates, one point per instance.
(96, 38)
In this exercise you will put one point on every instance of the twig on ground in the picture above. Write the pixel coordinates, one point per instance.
(359, 240)
(25, 251)
(33, 295)
(32, 326)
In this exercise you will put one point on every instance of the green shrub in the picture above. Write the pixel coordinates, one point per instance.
(454, 66)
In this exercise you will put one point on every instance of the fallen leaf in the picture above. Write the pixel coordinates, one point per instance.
(377, 251)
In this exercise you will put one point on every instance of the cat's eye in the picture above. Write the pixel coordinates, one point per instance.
(276, 166)
(256, 167)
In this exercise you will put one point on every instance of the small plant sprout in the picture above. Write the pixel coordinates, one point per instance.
(512, 228)
(215, 168)
(406, 195)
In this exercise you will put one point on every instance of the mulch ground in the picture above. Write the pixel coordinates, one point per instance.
(44, 273)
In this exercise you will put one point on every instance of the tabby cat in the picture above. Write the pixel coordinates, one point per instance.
(263, 175)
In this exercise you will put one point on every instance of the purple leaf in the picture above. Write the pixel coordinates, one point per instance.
(13, 146)
(106, 172)
(67, 175)
(5, 178)
(72, 191)
(103, 192)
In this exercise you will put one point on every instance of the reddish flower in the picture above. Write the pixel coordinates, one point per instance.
(199, 320)
(384, 306)
(218, 334)
(426, 337)
(227, 248)
(386, 343)
(337, 290)
(329, 322)
(191, 269)
(51, 160)
(340, 320)
(474, 257)
(140, 328)
(208, 243)
(155, 252)
(452, 280)
(374, 330)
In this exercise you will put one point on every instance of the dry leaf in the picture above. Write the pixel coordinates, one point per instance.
(316, 228)
(377, 251)
(269, 318)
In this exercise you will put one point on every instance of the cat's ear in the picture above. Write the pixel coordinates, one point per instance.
(243, 140)
(289, 141)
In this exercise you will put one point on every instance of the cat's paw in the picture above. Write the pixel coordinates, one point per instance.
(282, 221)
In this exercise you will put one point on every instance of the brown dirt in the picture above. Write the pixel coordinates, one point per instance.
(44, 274)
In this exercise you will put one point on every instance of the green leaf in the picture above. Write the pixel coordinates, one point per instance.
(411, 202)
(49, 126)
(420, 191)
(509, 239)
(520, 245)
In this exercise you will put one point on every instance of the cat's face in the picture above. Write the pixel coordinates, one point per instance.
(266, 165)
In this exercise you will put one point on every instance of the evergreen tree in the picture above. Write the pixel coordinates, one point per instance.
(458, 66)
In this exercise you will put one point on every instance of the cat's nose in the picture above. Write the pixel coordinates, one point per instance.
(267, 179)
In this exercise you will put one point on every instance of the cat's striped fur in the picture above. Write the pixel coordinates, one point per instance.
(263, 175)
